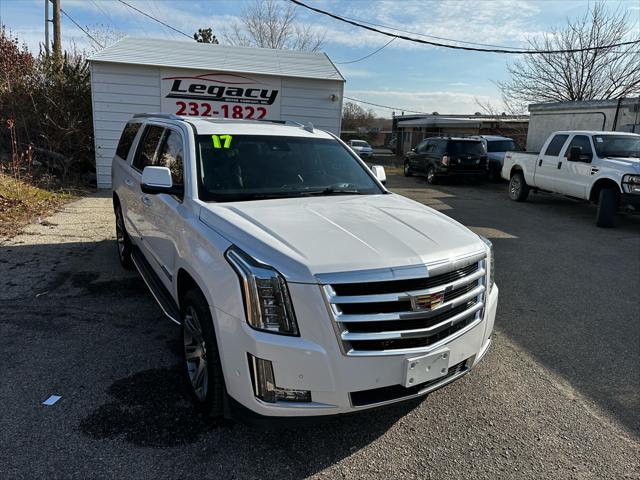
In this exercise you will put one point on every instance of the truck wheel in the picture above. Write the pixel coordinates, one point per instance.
(123, 242)
(431, 176)
(607, 208)
(202, 360)
(518, 188)
(407, 169)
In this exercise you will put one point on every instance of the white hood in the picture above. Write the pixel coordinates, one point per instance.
(302, 237)
(623, 163)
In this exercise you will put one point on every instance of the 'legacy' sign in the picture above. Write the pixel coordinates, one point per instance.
(220, 94)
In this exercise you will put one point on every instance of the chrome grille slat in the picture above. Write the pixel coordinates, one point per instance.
(415, 333)
(410, 315)
(403, 296)
(374, 315)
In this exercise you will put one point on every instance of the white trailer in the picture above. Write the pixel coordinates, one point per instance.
(188, 78)
(621, 115)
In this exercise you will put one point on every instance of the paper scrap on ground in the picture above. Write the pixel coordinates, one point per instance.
(51, 400)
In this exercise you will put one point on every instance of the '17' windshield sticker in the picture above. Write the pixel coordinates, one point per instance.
(599, 139)
(221, 141)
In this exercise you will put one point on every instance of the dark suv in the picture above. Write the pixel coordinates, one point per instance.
(440, 157)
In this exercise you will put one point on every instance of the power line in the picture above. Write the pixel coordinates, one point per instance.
(460, 47)
(428, 36)
(156, 20)
(366, 56)
(84, 30)
(385, 106)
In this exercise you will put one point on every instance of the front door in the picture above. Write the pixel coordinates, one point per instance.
(572, 177)
(418, 160)
(161, 214)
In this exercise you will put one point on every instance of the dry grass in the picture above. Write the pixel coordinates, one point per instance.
(21, 202)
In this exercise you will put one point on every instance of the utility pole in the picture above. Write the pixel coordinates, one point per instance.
(46, 26)
(57, 45)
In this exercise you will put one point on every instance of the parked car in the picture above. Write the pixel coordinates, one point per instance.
(441, 157)
(362, 148)
(601, 167)
(302, 286)
(496, 147)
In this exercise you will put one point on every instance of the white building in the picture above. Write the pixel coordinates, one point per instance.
(143, 75)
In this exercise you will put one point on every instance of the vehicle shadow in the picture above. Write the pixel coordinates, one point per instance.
(95, 335)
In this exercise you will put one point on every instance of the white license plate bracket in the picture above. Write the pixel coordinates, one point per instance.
(426, 368)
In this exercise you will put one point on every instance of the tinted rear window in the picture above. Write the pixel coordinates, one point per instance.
(359, 143)
(501, 145)
(461, 147)
(126, 139)
(556, 145)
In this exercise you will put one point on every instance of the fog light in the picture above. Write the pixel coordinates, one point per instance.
(264, 384)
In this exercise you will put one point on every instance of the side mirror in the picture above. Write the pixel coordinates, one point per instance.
(413, 149)
(378, 171)
(574, 154)
(158, 180)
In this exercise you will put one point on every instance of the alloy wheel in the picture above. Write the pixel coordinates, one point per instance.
(515, 186)
(195, 353)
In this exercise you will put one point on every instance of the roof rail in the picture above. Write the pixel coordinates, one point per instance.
(171, 116)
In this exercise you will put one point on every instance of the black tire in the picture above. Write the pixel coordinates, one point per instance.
(518, 188)
(432, 178)
(123, 241)
(607, 208)
(407, 169)
(201, 356)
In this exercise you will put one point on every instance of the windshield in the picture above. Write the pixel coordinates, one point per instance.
(359, 143)
(501, 145)
(467, 148)
(248, 167)
(617, 145)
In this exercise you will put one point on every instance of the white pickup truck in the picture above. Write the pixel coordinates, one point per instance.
(302, 286)
(601, 167)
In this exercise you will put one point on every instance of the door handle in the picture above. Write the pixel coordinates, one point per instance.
(540, 162)
(147, 201)
(559, 165)
(128, 182)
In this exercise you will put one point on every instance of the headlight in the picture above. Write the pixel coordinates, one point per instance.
(490, 261)
(266, 297)
(631, 184)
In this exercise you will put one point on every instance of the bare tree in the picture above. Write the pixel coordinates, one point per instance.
(603, 73)
(272, 24)
(104, 34)
(354, 116)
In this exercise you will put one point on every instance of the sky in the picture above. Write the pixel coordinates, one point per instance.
(404, 75)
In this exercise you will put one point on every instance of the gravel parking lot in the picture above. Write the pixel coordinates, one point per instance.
(558, 396)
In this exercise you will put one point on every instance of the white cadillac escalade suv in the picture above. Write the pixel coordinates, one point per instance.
(303, 287)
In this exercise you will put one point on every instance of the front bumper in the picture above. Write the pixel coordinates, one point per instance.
(630, 199)
(315, 362)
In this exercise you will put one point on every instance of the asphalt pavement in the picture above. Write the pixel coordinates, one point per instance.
(558, 395)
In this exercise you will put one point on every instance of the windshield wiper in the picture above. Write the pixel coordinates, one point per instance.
(335, 191)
